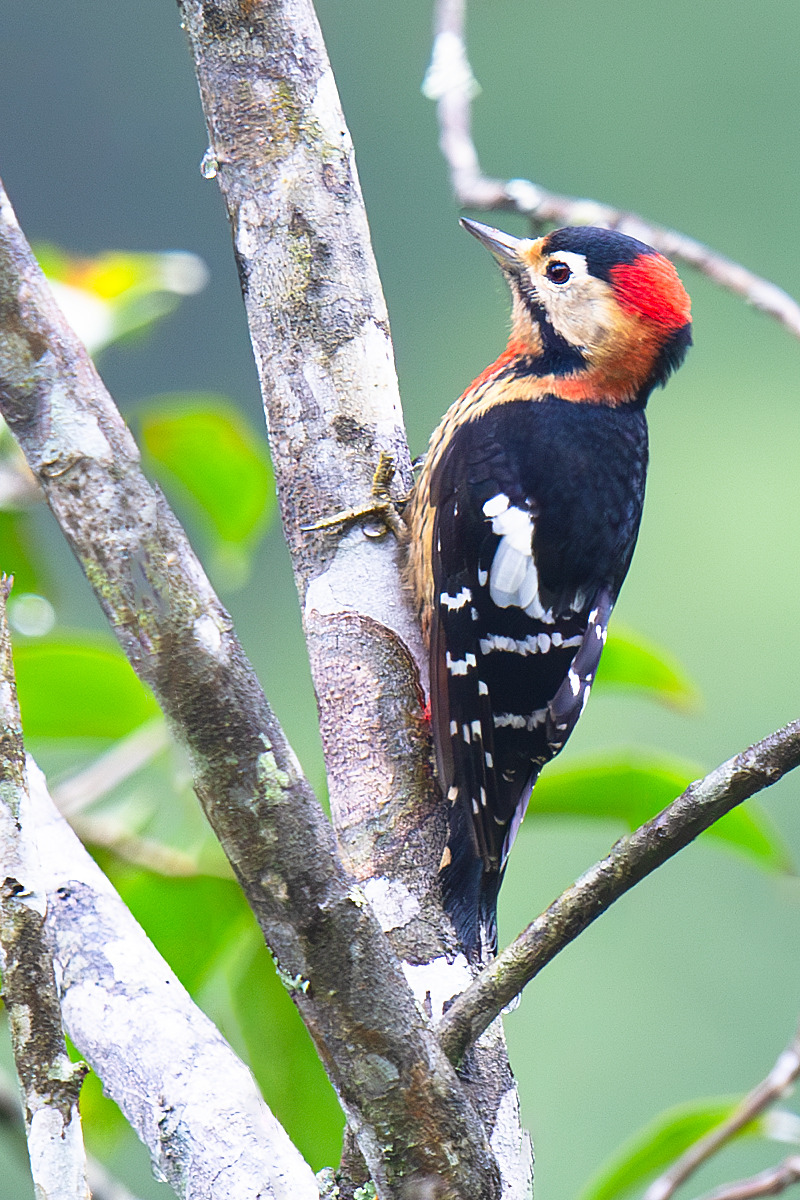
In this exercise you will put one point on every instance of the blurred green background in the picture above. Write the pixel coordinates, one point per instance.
(684, 113)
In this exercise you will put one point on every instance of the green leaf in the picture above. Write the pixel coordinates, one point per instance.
(631, 661)
(119, 293)
(662, 1141)
(79, 687)
(17, 553)
(632, 786)
(286, 1064)
(202, 445)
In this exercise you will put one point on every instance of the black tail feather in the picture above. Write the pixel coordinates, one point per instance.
(469, 891)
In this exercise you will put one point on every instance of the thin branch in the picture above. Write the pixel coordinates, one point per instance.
(125, 758)
(112, 832)
(192, 1102)
(777, 1083)
(767, 1183)
(102, 1184)
(345, 979)
(629, 861)
(50, 1083)
(451, 83)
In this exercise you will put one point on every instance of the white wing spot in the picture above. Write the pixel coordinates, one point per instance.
(460, 666)
(482, 688)
(453, 728)
(475, 808)
(489, 759)
(514, 579)
(482, 577)
(574, 682)
(534, 643)
(452, 794)
(483, 797)
(476, 729)
(455, 602)
(465, 733)
(497, 505)
(530, 721)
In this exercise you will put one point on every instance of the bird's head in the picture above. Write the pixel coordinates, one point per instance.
(599, 316)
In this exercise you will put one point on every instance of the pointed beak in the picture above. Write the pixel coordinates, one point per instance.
(505, 248)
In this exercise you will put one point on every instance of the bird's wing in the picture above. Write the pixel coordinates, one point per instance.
(504, 667)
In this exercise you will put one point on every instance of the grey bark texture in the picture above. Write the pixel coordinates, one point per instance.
(49, 1082)
(192, 1102)
(411, 1114)
(282, 155)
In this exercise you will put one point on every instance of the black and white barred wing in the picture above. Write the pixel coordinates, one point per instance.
(510, 679)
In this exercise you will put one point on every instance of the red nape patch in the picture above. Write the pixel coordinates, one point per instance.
(650, 286)
(426, 712)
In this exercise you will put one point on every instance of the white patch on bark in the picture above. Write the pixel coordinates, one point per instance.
(355, 583)
(512, 1149)
(440, 980)
(58, 1164)
(247, 228)
(77, 433)
(208, 633)
(392, 902)
(326, 110)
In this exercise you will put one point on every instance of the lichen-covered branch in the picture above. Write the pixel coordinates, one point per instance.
(282, 155)
(630, 860)
(451, 83)
(411, 1113)
(193, 1103)
(283, 158)
(777, 1083)
(50, 1083)
(102, 1185)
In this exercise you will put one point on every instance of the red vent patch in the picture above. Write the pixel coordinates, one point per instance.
(650, 286)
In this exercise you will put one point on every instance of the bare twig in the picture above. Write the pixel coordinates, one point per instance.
(451, 83)
(50, 1082)
(767, 1183)
(345, 979)
(630, 861)
(111, 833)
(193, 1103)
(776, 1084)
(107, 772)
(125, 758)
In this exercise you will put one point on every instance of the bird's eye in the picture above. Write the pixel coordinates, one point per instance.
(558, 272)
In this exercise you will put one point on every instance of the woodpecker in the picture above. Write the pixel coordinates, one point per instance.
(522, 526)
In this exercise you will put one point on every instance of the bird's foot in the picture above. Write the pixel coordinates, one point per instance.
(380, 507)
